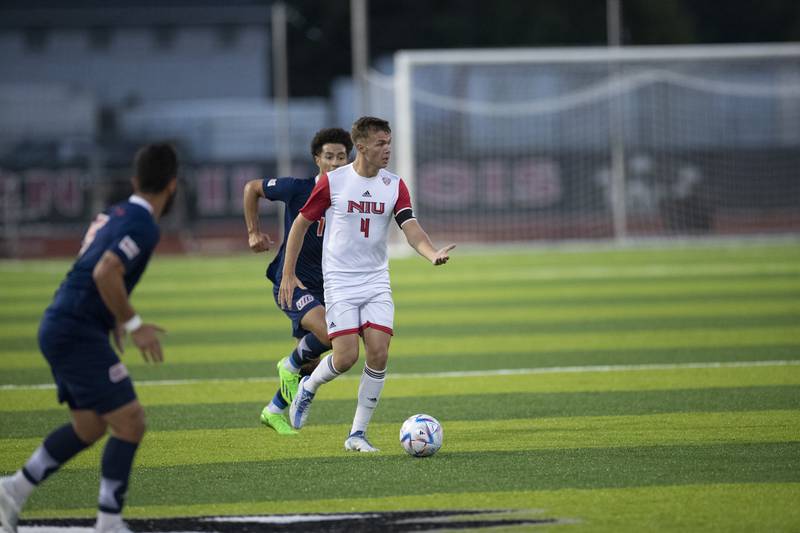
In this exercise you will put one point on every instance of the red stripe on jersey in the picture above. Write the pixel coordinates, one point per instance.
(319, 201)
(403, 198)
(343, 332)
(372, 325)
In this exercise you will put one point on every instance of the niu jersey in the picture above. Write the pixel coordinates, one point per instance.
(294, 193)
(357, 212)
(127, 229)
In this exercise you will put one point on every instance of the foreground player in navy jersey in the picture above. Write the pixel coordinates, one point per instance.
(91, 304)
(330, 148)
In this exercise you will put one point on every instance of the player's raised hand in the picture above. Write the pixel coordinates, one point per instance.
(259, 242)
(146, 339)
(286, 290)
(443, 255)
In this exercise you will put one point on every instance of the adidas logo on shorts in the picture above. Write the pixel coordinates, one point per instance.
(332, 325)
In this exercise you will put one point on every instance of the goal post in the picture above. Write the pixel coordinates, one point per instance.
(516, 144)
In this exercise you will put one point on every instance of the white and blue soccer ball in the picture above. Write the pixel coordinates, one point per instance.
(421, 435)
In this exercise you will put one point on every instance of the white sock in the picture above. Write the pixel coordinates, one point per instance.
(289, 365)
(369, 392)
(274, 409)
(19, 488)
(108, 521)
(39, 464)
(324, 373)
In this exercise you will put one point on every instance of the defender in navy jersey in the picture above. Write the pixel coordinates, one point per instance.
(91, 305)
(358, 202)
(330, 148)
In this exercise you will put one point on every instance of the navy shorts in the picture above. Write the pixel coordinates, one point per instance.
(87, 372)
(303, 301)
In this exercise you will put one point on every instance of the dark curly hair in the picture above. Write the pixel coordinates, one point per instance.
(331, 136)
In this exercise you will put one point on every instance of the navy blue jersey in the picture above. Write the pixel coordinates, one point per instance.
(127, 229)
(294, 193)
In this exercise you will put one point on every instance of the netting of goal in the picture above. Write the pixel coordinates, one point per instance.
(527, 144)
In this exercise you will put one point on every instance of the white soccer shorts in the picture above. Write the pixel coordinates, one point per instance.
(354, 315)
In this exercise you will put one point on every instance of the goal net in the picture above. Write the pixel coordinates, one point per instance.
(523, 144)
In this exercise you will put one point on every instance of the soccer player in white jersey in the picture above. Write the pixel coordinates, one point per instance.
(358, 202)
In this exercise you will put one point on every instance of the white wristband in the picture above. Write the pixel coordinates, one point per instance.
(133, 324)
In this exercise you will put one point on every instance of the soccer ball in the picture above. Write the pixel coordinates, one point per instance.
(421, 435)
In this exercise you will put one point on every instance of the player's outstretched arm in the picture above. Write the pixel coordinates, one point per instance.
(109, 277)
(293, 244)
(420, 241)
(258, 242)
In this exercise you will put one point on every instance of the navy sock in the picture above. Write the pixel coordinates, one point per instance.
(309, 347)
(58, 447)
(116, 469)
(279, 401)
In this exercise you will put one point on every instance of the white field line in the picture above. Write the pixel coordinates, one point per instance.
(466, 373)
(55, 529)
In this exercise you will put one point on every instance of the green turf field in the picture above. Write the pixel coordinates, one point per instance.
(612, 390)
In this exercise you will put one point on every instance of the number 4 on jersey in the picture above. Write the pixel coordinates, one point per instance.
(365, 227)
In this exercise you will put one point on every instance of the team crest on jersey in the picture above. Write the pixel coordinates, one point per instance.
(304, 301)
(387, 181)
(117, 372)
(129, 247)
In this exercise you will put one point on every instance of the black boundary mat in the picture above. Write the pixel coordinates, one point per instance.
(388, 522)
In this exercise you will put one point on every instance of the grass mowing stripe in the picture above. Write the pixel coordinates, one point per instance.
(560, 300)
(357, 476)
(227, 331)
(31, 368)
(475, 292)
(405, 345)
(588, 379)
(582, 273)
(258, 444)
(237, 318)
(264, 307)
(459, 274)
(408, 293)
(497, 405)
(195, 271)
(668, 252)
(520, 268)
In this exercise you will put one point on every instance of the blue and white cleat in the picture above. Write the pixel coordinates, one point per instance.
(357, 442)
(298, 411)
